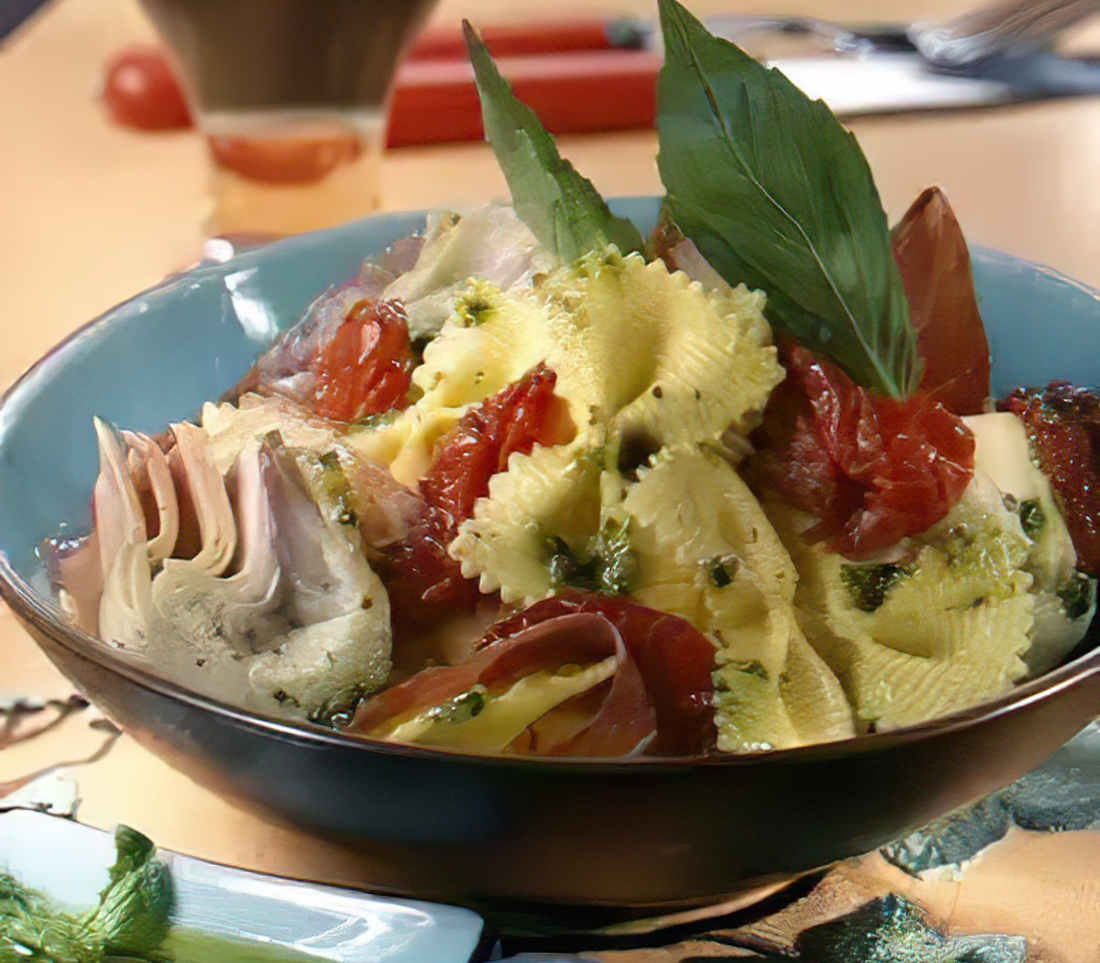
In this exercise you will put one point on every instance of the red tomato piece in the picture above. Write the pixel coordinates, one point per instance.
(422, 579)
(872, 469)
(934, 262)
(424, 583)
(140, 90)
(675, 661)
(367, 366)
(1063, 424)
(515, 419)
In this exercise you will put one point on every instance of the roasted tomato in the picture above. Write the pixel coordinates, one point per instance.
(675, 661)
(140, 90)
(872, 469)
(1063, 424)
(420, 576)
(367, 366)
(934, 262)
(521, 415)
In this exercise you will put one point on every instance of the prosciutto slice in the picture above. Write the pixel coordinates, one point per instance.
(624, 719)
(660, 697)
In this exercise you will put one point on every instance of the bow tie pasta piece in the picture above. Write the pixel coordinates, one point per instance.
(943, 628)
(707, 552)
(490, 340)
(696, 501)
(552, 493)
(653, 353)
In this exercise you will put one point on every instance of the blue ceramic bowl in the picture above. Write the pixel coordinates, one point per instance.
(640, 833)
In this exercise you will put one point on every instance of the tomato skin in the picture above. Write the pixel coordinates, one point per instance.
(674, 658)
(872, 469)
(366, 368)
(421, 578)
(515, 419)
(140, 90)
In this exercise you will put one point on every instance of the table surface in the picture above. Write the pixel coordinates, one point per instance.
(92, 213)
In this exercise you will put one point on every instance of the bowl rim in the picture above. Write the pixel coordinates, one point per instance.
(46, 618)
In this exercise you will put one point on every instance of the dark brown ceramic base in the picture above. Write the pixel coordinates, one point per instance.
(649, 835)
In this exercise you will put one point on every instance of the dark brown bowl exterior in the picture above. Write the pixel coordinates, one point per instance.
(642, 833)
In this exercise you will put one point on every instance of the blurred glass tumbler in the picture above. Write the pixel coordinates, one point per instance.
(292, 95)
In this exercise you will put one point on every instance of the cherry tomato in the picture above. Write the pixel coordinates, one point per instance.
(872, 469)
(140, 90)
(366, 368)
(522, 414)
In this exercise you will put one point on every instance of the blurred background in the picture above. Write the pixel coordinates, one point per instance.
(94, 211)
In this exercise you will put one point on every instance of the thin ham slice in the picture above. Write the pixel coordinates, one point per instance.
(624, 719)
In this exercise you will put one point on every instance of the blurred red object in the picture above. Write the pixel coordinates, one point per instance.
(140, 90)
(284, 160)
(509, 40)
(435, 100)
(568, 73)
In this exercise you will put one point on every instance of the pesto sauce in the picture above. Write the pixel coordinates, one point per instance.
(608, 565)
(1076, 595)
(868, 584)
(1031, 518)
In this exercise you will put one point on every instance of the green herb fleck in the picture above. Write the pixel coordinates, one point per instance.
(1031, 517)
(777, 194)
(722, 569)
(751, 667)
(608, 564)
(562, 208)
(462, 708)
(476, 305)
(339, 709)
(377, 420)
(1077, 595)
(336, 487)
(868, 584)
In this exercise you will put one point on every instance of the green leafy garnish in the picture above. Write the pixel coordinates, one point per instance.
(562, 208)
(131, 920)
(776, 193)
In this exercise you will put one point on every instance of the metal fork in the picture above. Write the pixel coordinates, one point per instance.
(954, 44)
(1004, 28)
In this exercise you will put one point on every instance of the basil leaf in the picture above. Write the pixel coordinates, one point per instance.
(776, 193)
(562, 208)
